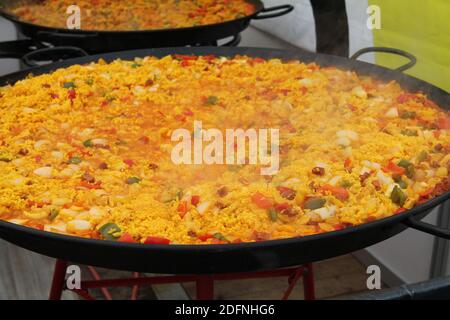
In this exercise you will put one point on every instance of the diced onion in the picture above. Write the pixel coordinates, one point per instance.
(203, 207)
(79, 225)
(392, 113)
(17, 221)
(39, 144)
(359, 92)
(45, 172)
(57, 154)
(343, 141)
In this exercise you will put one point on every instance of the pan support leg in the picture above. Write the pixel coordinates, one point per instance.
(59, 276)
(308, 282)
(205, 287)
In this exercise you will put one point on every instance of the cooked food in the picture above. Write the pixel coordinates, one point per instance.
(86, 150)
(133, 15)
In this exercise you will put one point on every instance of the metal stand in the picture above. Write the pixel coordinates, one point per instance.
(441, 249)
(204, 283)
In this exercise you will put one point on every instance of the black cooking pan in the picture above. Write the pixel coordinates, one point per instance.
(203, 259)
(109, 41)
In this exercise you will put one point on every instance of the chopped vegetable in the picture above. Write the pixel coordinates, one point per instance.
(408, 115)
(91, 186)
(23, 152)
(109, 231)
(444, 123)
(211, 100)
(402, 184)
(346, 184)
(204, 237)
(338, 192)
(262, 201)
(409, 168)
(133, 180)
(156, 240)
(53, 214)
(88, 177)
(88, 143)
(195, 200)
(394, 169)
(398, 196)
(127, 238)
(282, 206)
(69, 85)
(314, 203)
(75, 160)
(220, 237)
(273, 215)
(222, 191)
(71, 94)
(318, 171)
(409, 132)
(287, 193)
(423, 156)
(182, 208)
(129, 162)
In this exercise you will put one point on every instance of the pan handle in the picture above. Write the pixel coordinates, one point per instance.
(18, 48)
(428, 228)
(56, 37)
(233, 42)
(412, 59)
(53, 54)
(286, 8)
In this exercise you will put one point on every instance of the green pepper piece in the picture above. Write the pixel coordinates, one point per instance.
(133, 180)
(109, 231)
(398, 196)
(315, 203)
(88, 143)
(53, 214)
(410, 170)
(409, 133)
(273, 215)
(400, 182)
(212, 100)
(422, 156)
(220, 236)
(75, 160)
(69, 85)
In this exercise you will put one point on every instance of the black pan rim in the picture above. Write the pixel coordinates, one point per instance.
(396, 218)
(259, 7)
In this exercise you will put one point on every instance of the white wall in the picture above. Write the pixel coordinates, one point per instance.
(7, 32)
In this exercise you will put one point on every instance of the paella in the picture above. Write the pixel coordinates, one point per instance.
(86, 150)
(110, 15)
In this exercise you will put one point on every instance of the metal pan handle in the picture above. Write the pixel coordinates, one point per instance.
(233, 42)
(52, 54)
(286, 8)
(18, 48)
(428, 228)
(54, 37)
(412, 59)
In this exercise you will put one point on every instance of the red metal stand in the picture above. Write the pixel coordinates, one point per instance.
(204, 283)
(205, 288)
(59, 275)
